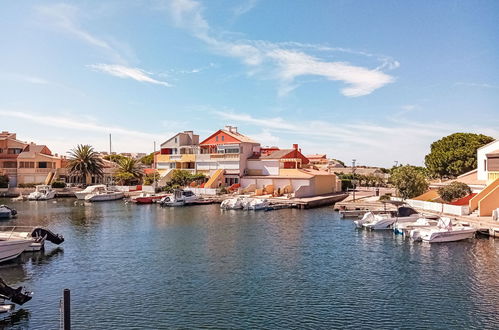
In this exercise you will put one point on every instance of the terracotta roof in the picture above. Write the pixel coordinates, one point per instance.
(316, 156)
(239, 136)
(278, 154)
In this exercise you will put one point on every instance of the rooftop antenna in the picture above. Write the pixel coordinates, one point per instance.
(110, 155)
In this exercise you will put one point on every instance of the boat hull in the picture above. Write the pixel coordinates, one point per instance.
(448, 236)
(104, 197)
(12, 248)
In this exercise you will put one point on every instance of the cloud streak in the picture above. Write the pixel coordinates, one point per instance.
(65, 17)
(286, 61)
(124, 72)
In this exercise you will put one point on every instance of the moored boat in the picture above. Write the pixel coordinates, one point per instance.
(38, 235)
(147, 198)
(7, 212)
(404, 213)
(89, 190)
(445, 231)
(11, 248)
(179, 198)
(42, 193)
(103, 194)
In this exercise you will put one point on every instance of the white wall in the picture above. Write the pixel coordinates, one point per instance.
(482, 174)
(437, 207)
(268, 167)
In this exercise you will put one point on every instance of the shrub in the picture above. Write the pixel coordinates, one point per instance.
(4, 181)
(58, 184)
(385, 197)
(28, 185)
(453, 191)
(346, 184)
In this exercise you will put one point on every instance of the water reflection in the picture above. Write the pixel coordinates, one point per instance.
(18, 318)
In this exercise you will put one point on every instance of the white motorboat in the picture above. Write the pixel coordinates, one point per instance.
(179, 198)
(404, 213)
(445, 231)
(37, 235)
(232, 203)
(102, 194)
(90, 190)
(11, 248)
(257, 204)
(366, 218)
(7, 212)
(404, 228)
(42, 193)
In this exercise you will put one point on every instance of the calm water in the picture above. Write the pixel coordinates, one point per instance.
(134, 267)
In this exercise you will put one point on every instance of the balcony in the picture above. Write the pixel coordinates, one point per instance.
(8, 170)
(225, 156)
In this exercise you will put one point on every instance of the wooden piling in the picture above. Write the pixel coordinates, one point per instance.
(66, 310)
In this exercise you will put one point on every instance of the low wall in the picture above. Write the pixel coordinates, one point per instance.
(203, 191)
(437, 207)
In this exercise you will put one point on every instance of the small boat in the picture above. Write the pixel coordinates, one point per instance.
(404, 213)
(147, 198)
(445, 231)
(179, 198)
(7, 212)
(11, 248)
(38, 235)
(42, 193)
(404, 228)
(235, 203)
(102, 194)
(257, 204)
(89, 190)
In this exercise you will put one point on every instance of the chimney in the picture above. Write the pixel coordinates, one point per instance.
(228, 128)
(234, 129)
(295, 146)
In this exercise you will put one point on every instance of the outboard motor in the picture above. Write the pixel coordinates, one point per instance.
(49, 236)
(17, 296)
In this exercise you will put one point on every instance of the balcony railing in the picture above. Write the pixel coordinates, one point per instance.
(8, 170)
(493, 176)
(225, 156)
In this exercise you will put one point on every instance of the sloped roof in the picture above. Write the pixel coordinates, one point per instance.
(277, 154)
(316, 156)
(493, 153)
(239, 136)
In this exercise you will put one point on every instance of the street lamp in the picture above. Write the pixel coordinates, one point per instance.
(353, 180)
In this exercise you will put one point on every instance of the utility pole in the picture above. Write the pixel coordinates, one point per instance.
(155, 166)
(353, 180)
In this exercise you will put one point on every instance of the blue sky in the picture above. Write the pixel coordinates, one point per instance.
(377, 81)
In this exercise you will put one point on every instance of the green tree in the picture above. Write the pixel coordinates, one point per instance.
(410, 181)
(149, 179)
(129, 171)
(148, 160)
(455, 154)
(114, 158)
(339, 162)
(84, 162)
(453, 191)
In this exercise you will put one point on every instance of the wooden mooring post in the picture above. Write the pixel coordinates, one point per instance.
(66, 310)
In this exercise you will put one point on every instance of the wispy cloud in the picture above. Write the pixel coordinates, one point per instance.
(80, 130)
(477, 85)
(69, 123)
(244, 8)
(285, 61)
(122, 71)
(65, 17)
(373, 142)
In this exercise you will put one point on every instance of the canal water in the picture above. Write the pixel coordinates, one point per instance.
(141, 266)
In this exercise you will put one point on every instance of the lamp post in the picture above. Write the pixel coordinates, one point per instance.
(353, 175)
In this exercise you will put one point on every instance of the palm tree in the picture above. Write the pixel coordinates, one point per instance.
(129, 170)
(85, 162)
